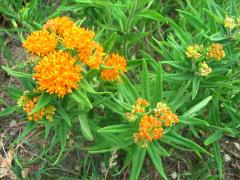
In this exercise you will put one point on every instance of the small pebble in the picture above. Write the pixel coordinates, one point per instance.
(227, 158)
(237, 146)
(174, 175)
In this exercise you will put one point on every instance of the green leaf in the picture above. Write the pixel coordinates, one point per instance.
(151, 14)
(193, 121)
(64, 115)
(81, 98)
(218, 159)
(174, 138)
(43, 101)
(144, 82)
(219, 36)
(196, 82)
(16, 74)
(137, 161)
(115, 129)
(158, 87)
(194, 20)
(214, 137)
(160, 150)
(30, 126)
(109, 43)
(130, 87)
(8, 111)
(62, 131)
(153, 153)
(85, 128)
(180, 33)
(179, 95)
(197, 107)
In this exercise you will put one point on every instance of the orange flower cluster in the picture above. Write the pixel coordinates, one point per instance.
(58, 73)
(116, 63)
(59, 24)
(41, 42)
(149, 129)
(48, 112)
(216, 51)
(73, 37)
(165, 115)
(194, 51)
(139, 107)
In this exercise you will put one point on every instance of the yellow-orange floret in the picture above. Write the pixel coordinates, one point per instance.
(204, 69)
(58, 73)
(41, 42)
(140, 105)
(229, 23)
(117, 63)
(81, 39)
(163, 112)
(59, 24)
(160, 109)
(95, 58)
(194, 51)
(216, 51)
(169, 118)
(28, 107)
(149, 129)
(48, 111)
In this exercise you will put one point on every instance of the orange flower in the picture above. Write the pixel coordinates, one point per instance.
(117, 63)
(95, 59)
(140, 105)
(59, 24)
(28, 107)
(41, 42)
(48, 112)
(149, 129)
(163, 112)
(78, 38)
(169, 118)
(58, 73)
(216, 51)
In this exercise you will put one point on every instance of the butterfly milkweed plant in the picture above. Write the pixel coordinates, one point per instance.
(120, 90)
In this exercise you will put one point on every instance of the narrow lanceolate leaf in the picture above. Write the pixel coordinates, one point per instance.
(128, 84)
(193, 121)
(43, 101)
(197, 107)
(30, 126)
(62, 131)
(64, 114)
(109, 43)
(156, 159)
(14, 73)
(196, 82)
(181, 93)
(150, 14)
(158, 89)
(85, 128)
(214, 137)
(137, 161)
(174, 138)
(218, 159)
(145, 82)
(194, 20)
(8, 111)
(115, 129)
(82, 99)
